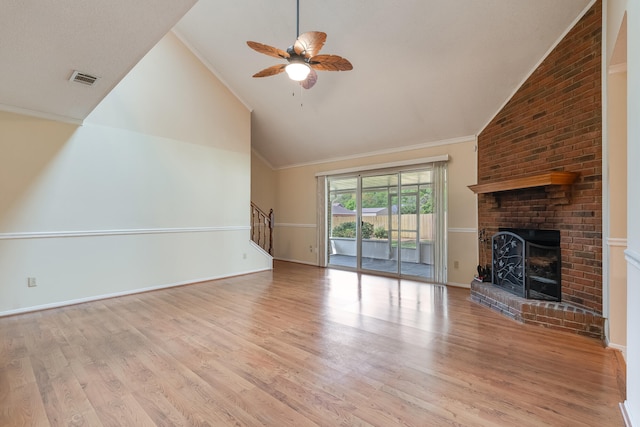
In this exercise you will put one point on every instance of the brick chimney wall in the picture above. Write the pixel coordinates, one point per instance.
(553, 123)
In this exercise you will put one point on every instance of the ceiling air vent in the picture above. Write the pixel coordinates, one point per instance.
(85, 79)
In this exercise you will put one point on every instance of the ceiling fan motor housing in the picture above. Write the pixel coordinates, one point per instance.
(303, 59)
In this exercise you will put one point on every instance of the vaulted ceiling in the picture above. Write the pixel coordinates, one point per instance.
(425, 71)
(43, 42)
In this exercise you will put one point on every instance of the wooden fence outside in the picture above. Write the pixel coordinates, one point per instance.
(408, 222)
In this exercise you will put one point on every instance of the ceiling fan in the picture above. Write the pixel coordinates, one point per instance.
(302, 57)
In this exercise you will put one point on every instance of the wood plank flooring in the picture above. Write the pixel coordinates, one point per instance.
(299, 346)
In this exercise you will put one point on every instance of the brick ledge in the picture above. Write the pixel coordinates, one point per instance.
(553, 315)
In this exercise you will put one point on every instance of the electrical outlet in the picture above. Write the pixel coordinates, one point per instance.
(244, 256)
(311, 248)
(31, 282)
(456, 264)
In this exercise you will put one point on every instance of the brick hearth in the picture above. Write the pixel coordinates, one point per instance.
(553, 315)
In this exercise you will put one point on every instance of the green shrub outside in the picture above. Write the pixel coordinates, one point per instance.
(380, 233)
(348, 229)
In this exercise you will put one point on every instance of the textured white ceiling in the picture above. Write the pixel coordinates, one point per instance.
(42, 42)
(424, 70)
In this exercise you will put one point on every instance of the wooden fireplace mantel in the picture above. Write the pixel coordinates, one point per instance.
(539, 180)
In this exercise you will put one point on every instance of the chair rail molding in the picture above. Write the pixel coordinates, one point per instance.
(617, 241)
(115, 232)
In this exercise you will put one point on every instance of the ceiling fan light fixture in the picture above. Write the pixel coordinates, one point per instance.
(300, 57)
(297, 71)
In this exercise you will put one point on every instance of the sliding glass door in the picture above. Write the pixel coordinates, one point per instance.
(379, 223)
(342, 222)
(417, 224)
(391, 223)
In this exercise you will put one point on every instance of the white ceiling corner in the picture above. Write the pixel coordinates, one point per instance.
(43, 42)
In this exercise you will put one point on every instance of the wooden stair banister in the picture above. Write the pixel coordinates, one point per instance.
(262, 228)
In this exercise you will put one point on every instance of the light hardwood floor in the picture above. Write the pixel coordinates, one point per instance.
(299, 346)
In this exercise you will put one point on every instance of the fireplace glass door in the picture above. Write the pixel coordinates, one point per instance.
(543, 272)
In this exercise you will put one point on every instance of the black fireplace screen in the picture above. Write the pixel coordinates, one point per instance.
(508, 263)
(524, 268)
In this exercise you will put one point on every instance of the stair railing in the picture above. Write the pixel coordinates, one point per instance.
(262, 228)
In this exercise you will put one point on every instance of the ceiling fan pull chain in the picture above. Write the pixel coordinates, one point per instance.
(301, 103)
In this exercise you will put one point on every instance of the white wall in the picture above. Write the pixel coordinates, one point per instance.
(153, 190)
(615, 176)
(263, 183)
(616, 214)
(633, 211)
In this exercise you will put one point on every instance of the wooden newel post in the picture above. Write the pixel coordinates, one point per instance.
(271, 232)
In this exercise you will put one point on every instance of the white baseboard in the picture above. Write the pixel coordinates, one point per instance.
(460, 285)
(120, 294)
(621, 348)
(626, 416)
(262, 251)
(297, 261)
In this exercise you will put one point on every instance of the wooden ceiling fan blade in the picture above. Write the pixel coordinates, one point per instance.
(271, 71)
(330, 63)
(311, 80)
(268, 50)
(309, 44)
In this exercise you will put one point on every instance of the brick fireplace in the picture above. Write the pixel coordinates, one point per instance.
(553, 123)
